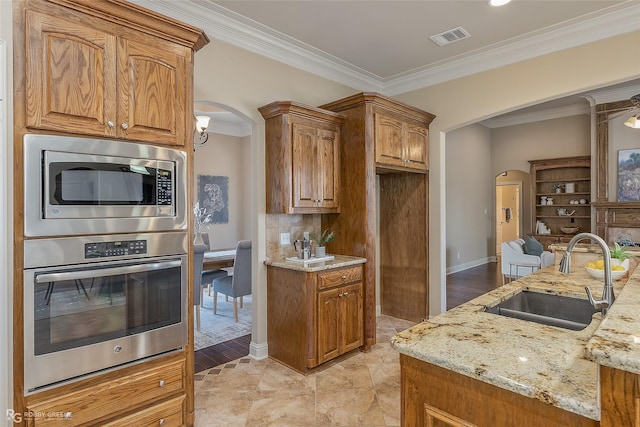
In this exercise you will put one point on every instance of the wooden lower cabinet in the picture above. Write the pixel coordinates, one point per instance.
(434, 396)
(619, 398)
(313, 317)
(155, 396)
(339, 321)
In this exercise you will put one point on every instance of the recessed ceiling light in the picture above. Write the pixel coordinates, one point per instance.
(498, 2)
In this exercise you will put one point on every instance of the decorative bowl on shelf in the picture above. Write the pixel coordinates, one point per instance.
(597, 273)
(569, 230)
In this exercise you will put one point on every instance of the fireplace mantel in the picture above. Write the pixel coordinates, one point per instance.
(618, 219)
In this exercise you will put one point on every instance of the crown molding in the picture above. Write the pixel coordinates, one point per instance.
(536, 116)
(612, 95)
(223, 127)
(227, 26)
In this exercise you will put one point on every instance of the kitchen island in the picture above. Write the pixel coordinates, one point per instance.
(469, 367)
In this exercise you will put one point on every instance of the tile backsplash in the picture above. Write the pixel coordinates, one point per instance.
(296, 225)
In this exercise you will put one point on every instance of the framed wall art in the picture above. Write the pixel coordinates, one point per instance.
(629, 175)
(213, 195)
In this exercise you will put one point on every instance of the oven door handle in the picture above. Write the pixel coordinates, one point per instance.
(104, 272)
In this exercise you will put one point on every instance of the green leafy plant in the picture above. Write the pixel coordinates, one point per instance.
(325, 237)
(620, 253)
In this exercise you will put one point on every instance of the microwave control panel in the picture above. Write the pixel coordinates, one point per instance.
(116, 248)
(165, 192)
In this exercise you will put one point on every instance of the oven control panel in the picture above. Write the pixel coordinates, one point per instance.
(115, 248)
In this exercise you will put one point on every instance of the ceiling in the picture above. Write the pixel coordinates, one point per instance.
(384, 45)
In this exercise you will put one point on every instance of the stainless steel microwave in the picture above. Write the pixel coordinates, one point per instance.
(78, 185)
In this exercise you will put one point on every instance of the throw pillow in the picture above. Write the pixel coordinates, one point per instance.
(533, 247)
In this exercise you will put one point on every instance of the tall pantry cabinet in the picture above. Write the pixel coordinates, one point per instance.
(386, 141)
(113, 70)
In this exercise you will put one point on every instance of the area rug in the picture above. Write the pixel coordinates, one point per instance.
(221, 327)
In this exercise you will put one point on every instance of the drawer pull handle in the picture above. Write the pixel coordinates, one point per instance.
(110, 123)
(161, 421)
(161, 383)
(344, 277)
(125, 126)
(68, 415)
(340, 295)
(346, 294)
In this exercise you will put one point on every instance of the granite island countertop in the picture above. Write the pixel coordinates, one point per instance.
(544, 362)
(337, 262)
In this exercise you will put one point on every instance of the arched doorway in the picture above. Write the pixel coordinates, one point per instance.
(227, 154)
(511, 188)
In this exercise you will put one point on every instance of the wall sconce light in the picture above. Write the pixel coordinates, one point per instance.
(202, 122)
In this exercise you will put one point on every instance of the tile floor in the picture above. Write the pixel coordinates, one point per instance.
(360, 390)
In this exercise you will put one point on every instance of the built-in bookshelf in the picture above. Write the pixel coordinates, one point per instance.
(561, 192)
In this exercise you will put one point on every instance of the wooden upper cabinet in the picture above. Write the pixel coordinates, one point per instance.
(87, 79)
(70, 81)
(316, 167)
(400, 144)
(302, 158)
(152, 82)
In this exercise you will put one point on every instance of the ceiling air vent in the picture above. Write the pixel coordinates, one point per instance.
(450, 36)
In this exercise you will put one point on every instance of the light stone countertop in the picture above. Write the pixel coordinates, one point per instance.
(337, 262)
(616, 343)
(543, 362)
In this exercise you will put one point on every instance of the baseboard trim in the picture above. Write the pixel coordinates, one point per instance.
(467, 265)
(258, 351)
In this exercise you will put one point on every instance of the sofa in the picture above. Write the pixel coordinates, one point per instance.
(520, 258)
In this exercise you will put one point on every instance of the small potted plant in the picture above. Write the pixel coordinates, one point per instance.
(558, 187)
(325, 237)
(620, 256)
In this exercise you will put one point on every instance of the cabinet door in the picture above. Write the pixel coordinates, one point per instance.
(389, 140)
(70, 79)
(352, 317)
(305, 158)
(417, 147)
(328, 324)
(328, 168)
(435, 417)
(152, 81)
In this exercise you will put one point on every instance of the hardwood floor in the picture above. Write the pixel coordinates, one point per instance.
(469, 284)
(461, 287)
(222, 353)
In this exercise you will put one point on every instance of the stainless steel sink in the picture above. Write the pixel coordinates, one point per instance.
(554, 310)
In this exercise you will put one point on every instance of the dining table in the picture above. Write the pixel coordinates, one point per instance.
(217, 259)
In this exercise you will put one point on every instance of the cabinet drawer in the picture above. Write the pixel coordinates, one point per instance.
(339, 277)
(89, 404)
(624, 216)
(166, 414)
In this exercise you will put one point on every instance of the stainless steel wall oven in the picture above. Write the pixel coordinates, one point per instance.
(96, 302)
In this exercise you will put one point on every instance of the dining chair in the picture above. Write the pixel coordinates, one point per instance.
(239, 284)
(201, 278)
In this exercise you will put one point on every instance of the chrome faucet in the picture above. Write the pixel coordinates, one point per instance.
(607, 293)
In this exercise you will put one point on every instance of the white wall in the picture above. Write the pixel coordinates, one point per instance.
(514, 146)
(228, 156)
(469, 199)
